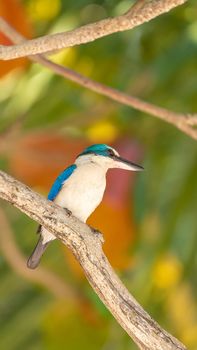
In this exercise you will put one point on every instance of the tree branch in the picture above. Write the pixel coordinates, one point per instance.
(90, 32)
(87, 248)
(183, 122)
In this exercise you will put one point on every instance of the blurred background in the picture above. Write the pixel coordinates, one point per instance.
(149, 219)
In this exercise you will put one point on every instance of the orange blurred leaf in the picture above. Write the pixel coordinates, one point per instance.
(37, 158)
(13, 11)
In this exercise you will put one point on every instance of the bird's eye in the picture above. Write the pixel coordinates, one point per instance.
(111, 153)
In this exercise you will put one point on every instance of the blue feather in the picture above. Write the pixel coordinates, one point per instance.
(60, 181)
(100, 149)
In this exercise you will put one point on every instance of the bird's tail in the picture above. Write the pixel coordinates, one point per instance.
(36, 255)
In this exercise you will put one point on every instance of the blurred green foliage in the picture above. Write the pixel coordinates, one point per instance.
(156, 62)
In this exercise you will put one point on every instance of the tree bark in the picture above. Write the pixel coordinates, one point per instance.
(86, 245)
(134, 17)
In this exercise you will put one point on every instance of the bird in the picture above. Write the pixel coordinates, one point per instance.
(80, 189)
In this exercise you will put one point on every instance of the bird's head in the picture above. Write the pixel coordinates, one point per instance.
(107, 157)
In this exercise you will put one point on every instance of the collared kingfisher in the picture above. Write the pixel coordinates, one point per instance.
(80, 188)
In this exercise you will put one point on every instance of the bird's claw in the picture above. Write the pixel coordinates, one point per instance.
(97, 233)
(68, 212)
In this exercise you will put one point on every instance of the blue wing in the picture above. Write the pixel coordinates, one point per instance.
(60, 181)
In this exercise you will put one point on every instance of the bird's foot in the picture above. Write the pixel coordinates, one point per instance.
(68, 212)
(97, 233)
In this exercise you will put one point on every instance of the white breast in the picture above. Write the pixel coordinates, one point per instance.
(81, 193)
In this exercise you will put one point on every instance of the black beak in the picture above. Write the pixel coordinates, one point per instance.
(126, 164)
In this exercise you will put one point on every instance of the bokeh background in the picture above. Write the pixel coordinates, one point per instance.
(149, 219)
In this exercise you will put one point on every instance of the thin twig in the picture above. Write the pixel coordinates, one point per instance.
(90, 32)
(183, 122)
(87, 248)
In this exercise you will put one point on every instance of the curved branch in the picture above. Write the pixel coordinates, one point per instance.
(87, 248)
(183, 122)
(90, 32)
